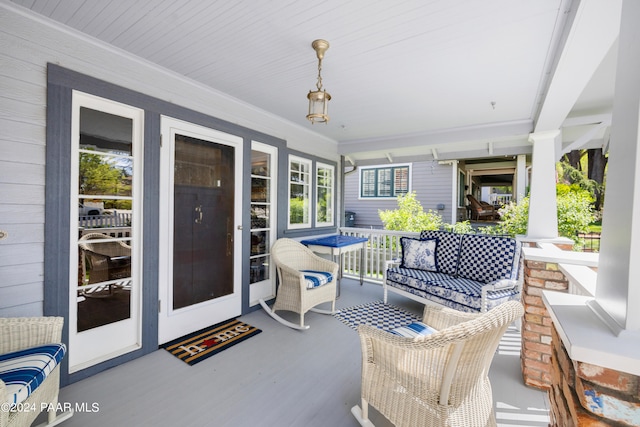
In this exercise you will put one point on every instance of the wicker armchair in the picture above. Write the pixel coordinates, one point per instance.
(435, 380)
(481, 210)
(22, 333)
(104, 261)
(290, 258)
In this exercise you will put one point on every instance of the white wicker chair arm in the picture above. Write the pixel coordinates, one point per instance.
(23, 332)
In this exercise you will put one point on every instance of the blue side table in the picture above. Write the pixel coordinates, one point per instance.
(336, 246)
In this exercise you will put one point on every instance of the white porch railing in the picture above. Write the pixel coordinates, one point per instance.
(115, 219)
(109, 231)
(383, 245)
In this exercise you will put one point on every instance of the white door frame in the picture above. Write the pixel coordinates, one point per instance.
(175, 323)
(96, 345)
(266, 289)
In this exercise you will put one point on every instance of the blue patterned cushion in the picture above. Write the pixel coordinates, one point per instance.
(419, 279)
(413, 330)
(315, 279)
(488, 258)
(448, 249)
(23, 371)
(419, 254)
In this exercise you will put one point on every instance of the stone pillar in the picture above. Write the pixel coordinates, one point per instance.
(543, 209)
(535, 355)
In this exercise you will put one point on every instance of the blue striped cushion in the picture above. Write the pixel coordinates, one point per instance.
(315, 279)
(23, 371)
(413, 330)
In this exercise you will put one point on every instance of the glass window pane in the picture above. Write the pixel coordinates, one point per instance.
(259, 269)
(368, 183)
(384, 182)
(260, 163)
(259, 242)
(259, 215)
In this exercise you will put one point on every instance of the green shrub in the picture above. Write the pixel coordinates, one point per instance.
(574, 213)
(410, 216)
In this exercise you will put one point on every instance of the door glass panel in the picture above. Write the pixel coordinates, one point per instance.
(203, 221)
(260, 216)
(105, 206)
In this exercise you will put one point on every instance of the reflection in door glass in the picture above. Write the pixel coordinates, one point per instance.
(260, 216)
(105, 206)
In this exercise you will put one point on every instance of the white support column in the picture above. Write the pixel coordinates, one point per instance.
(618, 283)
(521, 177)
(543, 216)
(454, 191)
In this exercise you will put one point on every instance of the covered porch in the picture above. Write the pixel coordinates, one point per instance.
(309, 378)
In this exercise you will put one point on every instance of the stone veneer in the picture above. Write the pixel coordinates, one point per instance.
(535, 355)
(583, 394)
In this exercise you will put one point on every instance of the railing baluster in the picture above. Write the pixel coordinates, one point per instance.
(383, 245)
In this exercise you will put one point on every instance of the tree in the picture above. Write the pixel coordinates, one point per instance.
(588, 169)
(410, 216)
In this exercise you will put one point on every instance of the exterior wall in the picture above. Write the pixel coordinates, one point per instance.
(28, 45)
(431, 181)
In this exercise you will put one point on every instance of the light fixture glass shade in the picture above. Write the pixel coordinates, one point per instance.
(318, 103)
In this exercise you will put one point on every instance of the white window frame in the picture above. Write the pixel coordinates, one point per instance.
(308, 197)
(330, 199)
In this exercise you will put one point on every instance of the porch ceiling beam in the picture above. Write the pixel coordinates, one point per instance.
(490, 148)
(594, 30)
(586, 137)
(389, 157)
(434, 153)
(586, 120)
(480, 133)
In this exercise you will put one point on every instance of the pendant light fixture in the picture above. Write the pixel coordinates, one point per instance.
(318, 99)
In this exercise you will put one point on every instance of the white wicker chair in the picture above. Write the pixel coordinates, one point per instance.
(290, 257)
(435, 380)
(25, 332)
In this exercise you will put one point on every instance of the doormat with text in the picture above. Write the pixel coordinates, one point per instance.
(202, 344)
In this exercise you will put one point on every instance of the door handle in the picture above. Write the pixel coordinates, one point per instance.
(199, 214)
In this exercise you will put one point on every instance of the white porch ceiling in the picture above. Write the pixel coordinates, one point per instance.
(409, 78)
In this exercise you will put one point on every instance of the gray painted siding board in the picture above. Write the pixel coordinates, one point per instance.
(21, 153)
(26, 310)
(21, 254)
(19, 70)
(29, 293)
(21, 173)
(16, 194)
(23, 233)
(430, 181)
(21, 132)
(23, 274)
(21, 214)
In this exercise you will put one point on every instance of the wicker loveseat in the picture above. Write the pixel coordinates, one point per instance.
(466, 272)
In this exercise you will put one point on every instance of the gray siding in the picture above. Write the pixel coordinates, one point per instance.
(431, 181)
(27, 46)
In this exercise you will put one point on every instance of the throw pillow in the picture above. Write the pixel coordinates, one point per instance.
(419, 254)
(412, 330)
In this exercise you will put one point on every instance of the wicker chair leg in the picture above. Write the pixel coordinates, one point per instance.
(53, 418)
(279, 319)
(362, 415)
